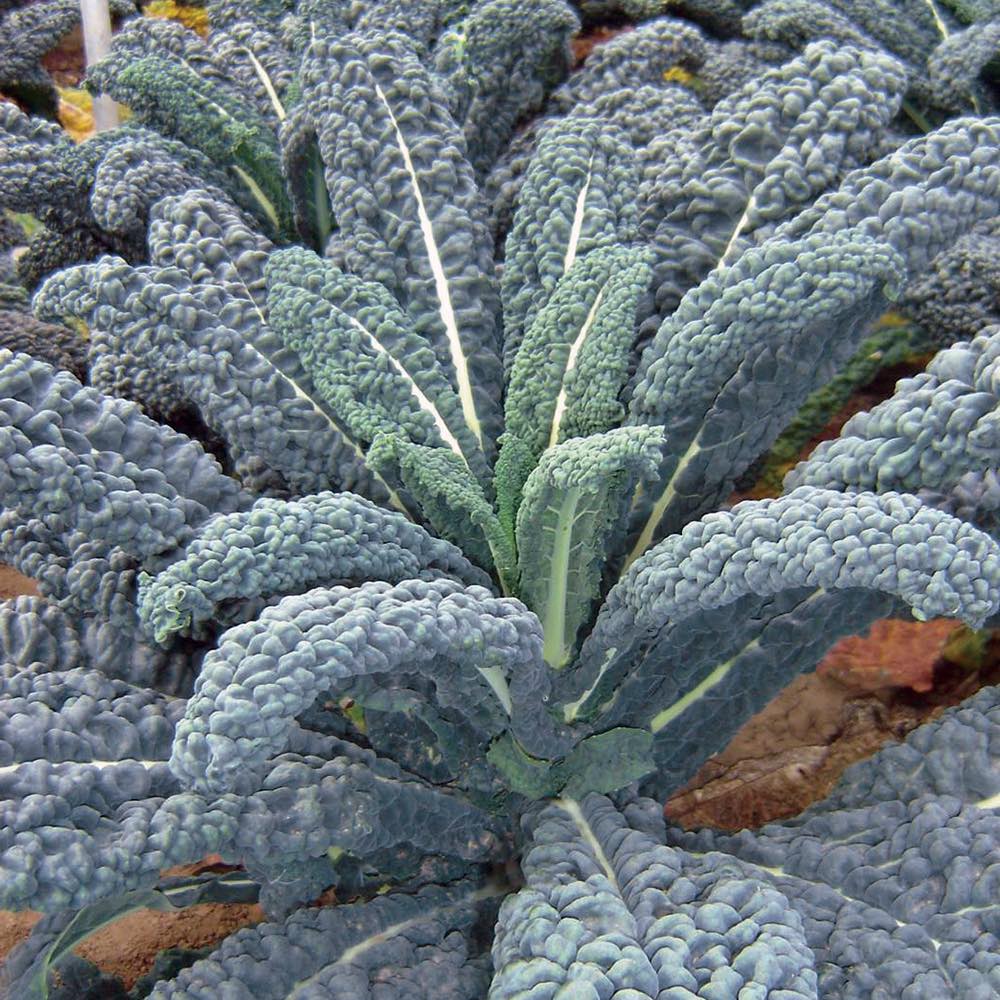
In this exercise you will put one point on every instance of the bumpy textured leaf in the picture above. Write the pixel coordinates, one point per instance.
(406, 205)
(622, 82)
(886, 887)
(38, 637)
(573, 507)
(210, 344)
(609, 910)
(572, 365)
(483, 654)
(919, 199)
(56, 345)
(894, 874)
(763, 154)
(211, 243)
(573, 362)
(714, 621)
(112, 474)
(140, 169)
(90, 808)
(960, 292)
(499, 63)
(728, 370)
(374, 371)
(450, 498)
(938, 427)
(282, 546)
(579, 195)
(390, 948)
(174, 82)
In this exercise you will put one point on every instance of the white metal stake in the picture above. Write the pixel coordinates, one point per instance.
(96, 20)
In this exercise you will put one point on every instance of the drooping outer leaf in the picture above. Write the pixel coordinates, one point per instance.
(714, 621)
(937, 428)
(38, 637)
(895, 873)
(224, 258)
(390, 948)
(33, 167)
(210, 342)
(136, 173)
(919, 199)
(211, 243)
(280, 546)
(742, 352)
(89, 808)
(406, 204)
(959, 293)
(176, 83)
(484, 649)
(112, 473)
(172, 97)
(574, 504)
(959, 64)
(888, 886)
(764, 152)
(579, 195)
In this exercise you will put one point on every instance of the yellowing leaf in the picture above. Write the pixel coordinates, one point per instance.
(195, 18)
(76, 112)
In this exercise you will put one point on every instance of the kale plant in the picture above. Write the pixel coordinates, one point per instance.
(466, 591)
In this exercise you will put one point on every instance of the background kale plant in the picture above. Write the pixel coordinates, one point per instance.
(464, 590)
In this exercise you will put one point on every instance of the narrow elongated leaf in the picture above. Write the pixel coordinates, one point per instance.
(408, 211)
(573, 503)
(574, 359)
(499, 65)
(90, 810)
(280, 546)
(374, 371)
(572, 365)
(180, 85)
(450, 498)
(763, 154)
(579, 195)
(211, 243)
(729, 369)
(607, 905)
(938, 428)
(920, 198)
(208, 343)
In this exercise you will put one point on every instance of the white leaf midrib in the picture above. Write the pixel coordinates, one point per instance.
(445, 307)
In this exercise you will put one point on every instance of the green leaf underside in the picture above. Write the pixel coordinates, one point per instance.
(572, 504)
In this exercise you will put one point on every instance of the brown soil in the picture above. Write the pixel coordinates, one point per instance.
(128, 947)
(65, 63)
(792, 753)
(13, 584)
(585, 43)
